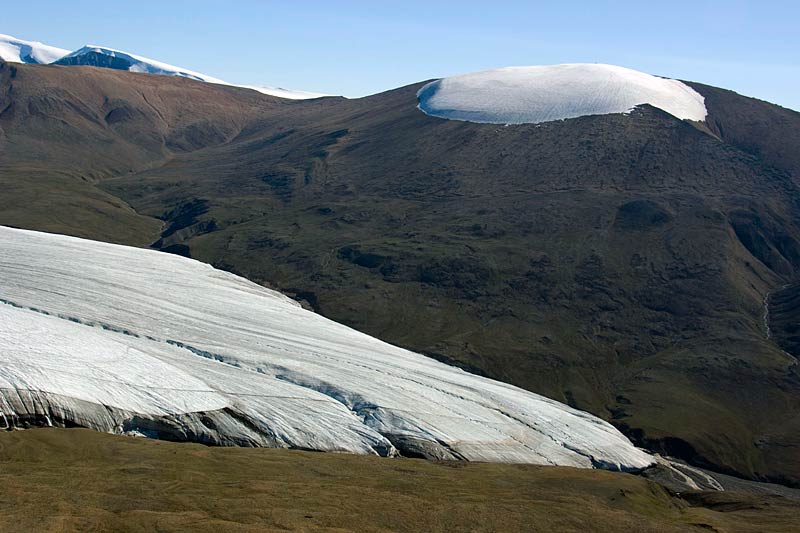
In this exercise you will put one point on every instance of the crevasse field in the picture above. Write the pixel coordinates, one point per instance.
(136, 341)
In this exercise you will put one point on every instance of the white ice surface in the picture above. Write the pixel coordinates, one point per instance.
(517, 95)
(16, 50)
(285, 93)
(118, 338)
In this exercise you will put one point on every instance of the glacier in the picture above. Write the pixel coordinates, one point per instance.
(135, 341)
(532, 95)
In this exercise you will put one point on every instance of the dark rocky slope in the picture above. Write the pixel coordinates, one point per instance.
(617, 263)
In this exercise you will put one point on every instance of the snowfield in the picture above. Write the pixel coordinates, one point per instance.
(136, 341)
(133, 63)
(519, 95)
(15, 50)
(285, 93)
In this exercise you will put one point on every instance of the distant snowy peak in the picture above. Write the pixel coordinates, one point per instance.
(519, 95)
(101, 56)
(16, 50)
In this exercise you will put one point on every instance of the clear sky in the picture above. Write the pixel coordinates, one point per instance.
(358, 47)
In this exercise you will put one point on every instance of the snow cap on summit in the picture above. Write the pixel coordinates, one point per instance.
(520, 95)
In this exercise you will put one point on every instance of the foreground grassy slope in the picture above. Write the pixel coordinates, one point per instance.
(57, 480)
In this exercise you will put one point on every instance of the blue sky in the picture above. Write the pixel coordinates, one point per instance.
(356, 48)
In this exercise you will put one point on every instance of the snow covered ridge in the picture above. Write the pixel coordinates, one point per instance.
(15, 50)
(137, 341)
(18, 51)
(519, 95)
(101, 56)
